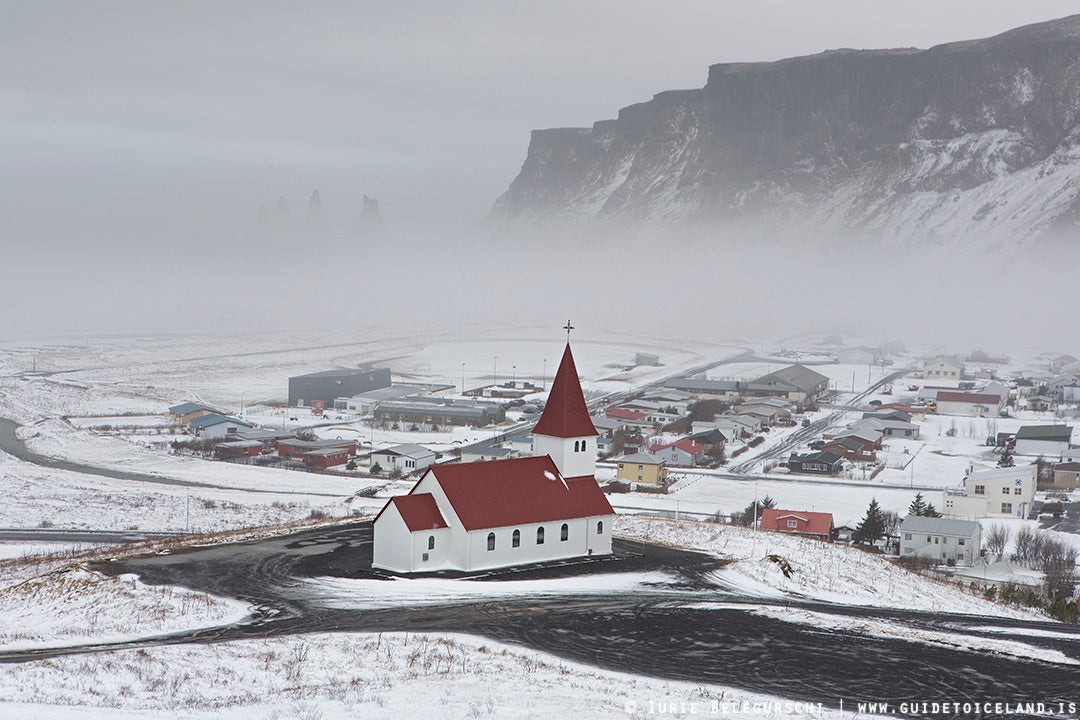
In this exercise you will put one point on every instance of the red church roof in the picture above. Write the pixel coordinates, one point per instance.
(418, 511)
(520, 491)
(566, 414)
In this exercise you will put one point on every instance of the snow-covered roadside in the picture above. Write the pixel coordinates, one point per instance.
(78, 605)
(332, 676)
(883, 629)
(343, 593)
(822, 571)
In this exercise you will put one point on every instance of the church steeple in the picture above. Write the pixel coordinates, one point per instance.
(565, 430)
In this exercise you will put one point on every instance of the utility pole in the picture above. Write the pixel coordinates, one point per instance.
(462, 378)
(187, 515)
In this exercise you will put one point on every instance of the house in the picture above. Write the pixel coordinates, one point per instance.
(817, 463)
(797, 383)
(487, 453)
(683, 453)
(969, 404)
(406, 457)
(943, 540)
(887, 426)
(712, 437)
(624, 414)
(1038, 403)
(850, 448)
(769, 415)
(798, 522)
(705, 389)
(1066, 476)
(522, 445)
(322, 388)
(238, 449)
(184, 413)
(1043, 439)
(870, 439)
(604, 425)
(1061, 361)
(294, 447)
(914, 412)
(216, 426)
(365, 403)
(943, 368)
(996, 492)
(1000, 574)
(480, 516)
(1063, 386)
(326, 457)
(641, 468)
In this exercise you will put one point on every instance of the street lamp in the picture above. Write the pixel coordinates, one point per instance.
(513, 376)
(495, 372)
(543, 381)
(462, 378)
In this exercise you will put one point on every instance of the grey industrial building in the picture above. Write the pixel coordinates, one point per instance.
(325, 387)
(439, 412)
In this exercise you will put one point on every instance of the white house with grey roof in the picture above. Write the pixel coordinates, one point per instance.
(943, 540)
(406, 457)
(995, 492)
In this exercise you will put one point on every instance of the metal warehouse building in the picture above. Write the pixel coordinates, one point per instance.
(324, 387)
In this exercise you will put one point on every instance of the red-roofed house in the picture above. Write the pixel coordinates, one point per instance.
(684, 453)
(478, 516)
(958, 402)
(796, 522)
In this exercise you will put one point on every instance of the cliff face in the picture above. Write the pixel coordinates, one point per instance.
(973, 143)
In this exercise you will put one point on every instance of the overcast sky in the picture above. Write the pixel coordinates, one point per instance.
(406, 101)
(137, 139)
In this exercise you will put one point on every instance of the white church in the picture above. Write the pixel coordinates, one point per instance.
(484, 515)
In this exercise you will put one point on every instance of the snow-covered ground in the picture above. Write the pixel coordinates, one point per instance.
(822, 571)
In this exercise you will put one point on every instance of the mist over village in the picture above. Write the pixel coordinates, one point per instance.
(611, 360)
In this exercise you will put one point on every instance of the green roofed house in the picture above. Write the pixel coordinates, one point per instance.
(1043, 439)
(217, 426)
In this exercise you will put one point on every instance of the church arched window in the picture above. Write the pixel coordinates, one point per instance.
(577, 446)
(491, 541)
(564, 533)
(540, 535)
(515, 539)
(583, 444)
(431, 542)
(599, 527)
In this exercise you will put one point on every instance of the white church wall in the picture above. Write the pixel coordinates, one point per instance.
(392, 542)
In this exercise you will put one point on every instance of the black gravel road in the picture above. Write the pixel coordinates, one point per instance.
(693, 627)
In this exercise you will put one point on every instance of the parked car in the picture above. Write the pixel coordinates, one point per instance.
(806, 422)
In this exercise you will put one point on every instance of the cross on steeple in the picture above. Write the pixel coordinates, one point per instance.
(568, 327)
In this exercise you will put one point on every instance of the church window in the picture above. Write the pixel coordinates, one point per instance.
(431, 542)
(540, 535)
(577, 446)
(564, 534)
(491, 541)
(599, 527)
(584, 444)
(516, 539)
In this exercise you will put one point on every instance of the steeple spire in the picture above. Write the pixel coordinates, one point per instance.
(566, 415)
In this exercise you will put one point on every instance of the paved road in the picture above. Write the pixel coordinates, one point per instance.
(662, 631)
(12, 445)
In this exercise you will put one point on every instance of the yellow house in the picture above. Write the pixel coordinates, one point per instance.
(642, 468)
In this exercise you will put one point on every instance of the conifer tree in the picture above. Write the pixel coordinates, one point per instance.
(872, 527)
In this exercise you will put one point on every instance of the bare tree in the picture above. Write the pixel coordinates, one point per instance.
(1029, 547)
(890, 522)
(997, 537)
(1058, 561)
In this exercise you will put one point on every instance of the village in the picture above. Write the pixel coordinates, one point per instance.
(954, 453)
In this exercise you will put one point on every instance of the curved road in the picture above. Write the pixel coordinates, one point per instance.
(663, 631)
(12, 445)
